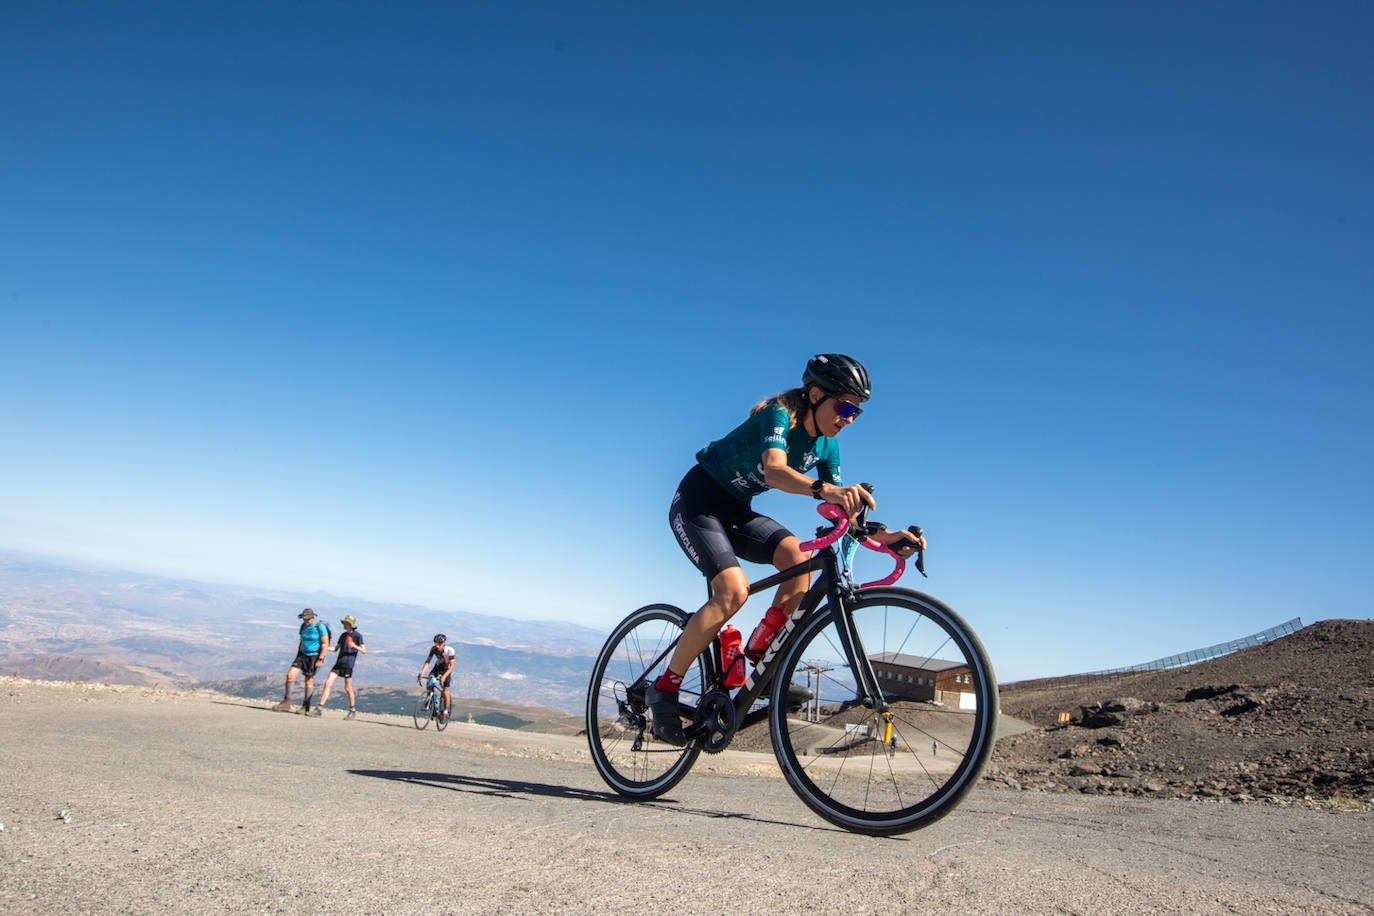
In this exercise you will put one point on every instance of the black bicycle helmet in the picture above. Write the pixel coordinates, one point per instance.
(836, 374)
(440, 637)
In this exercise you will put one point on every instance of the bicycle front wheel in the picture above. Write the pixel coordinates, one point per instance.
(627, 755)
(879, 773)
(422, 712)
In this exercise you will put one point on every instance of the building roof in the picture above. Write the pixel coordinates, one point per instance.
(916, 663)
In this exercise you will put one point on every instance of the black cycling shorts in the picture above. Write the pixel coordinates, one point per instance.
(715, 529)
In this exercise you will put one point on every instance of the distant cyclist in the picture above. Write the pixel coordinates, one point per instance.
(310, 651)
(784, 437)
(439, 661)
(350, 644)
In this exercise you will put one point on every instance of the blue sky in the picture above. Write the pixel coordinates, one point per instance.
(436, 302)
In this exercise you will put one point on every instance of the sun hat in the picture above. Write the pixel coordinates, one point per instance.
(349, 621)
(306, 614)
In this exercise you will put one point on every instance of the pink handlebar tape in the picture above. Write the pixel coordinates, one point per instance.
(836, 515)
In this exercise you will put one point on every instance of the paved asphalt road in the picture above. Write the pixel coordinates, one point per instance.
(133, 801)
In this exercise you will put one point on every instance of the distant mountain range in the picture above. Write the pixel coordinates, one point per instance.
(62, 622)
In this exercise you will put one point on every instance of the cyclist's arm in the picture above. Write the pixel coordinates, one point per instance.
(778, 475)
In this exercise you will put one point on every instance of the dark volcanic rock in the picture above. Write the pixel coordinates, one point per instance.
(1294, 721)
(1206, 693)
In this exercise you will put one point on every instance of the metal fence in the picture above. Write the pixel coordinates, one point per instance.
(1201, 655)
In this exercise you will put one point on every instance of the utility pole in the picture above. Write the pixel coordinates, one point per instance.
(813, 705)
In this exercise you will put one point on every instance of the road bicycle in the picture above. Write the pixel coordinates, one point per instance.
(858, 688)
(430, 705)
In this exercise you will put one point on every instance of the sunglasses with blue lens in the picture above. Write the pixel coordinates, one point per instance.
(846, 410)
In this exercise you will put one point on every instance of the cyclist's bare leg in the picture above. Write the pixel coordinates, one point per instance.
(785, 601)
(446, 697)
(729, 590)
(791, 591)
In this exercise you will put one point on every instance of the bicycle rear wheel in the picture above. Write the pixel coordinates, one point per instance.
(627, 755)
(440, 719)
(422, 711)
(848, 762)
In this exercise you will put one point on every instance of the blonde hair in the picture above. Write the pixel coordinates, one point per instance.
(793, 400)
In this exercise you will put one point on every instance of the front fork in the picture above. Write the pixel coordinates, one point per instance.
(870, 694)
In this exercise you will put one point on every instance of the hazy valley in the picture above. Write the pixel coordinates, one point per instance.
(62, 622)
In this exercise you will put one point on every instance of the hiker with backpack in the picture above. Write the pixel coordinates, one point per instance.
(314, 643)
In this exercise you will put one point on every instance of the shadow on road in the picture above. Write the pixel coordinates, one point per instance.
(523, 790)
(333, 712)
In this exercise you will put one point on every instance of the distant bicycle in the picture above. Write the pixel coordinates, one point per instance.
(859, 688)
(430, 705)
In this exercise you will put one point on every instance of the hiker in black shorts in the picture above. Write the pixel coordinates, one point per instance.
(314, 643)
(348, 648)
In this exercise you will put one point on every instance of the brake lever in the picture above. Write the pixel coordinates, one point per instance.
(861, 518)
(920, 553)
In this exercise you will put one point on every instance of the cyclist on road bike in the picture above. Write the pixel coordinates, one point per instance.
(711, 517)
(440, 661)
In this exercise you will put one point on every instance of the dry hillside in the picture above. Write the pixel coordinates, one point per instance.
(1291, 719)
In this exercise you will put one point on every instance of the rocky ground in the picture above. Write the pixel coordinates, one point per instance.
(1288, 722)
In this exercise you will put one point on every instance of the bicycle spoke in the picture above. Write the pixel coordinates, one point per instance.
(623, 748)
(879, 769)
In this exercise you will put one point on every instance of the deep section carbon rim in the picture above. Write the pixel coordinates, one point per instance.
(880, 774)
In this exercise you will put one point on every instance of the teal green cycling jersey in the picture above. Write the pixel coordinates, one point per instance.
(736, 461)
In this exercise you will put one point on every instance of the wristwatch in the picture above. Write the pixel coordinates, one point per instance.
(816, 488)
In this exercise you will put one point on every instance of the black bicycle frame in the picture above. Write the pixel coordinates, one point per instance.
(829, 585)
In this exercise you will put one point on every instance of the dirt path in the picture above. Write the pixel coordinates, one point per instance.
(133, 801)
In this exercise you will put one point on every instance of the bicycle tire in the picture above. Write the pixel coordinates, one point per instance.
(634, 644)
(422, 712)
(837, 757)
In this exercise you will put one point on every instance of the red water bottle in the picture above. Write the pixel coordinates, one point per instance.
(731, 657)
(763, 634)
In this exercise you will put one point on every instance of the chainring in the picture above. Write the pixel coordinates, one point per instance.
(715, 722)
